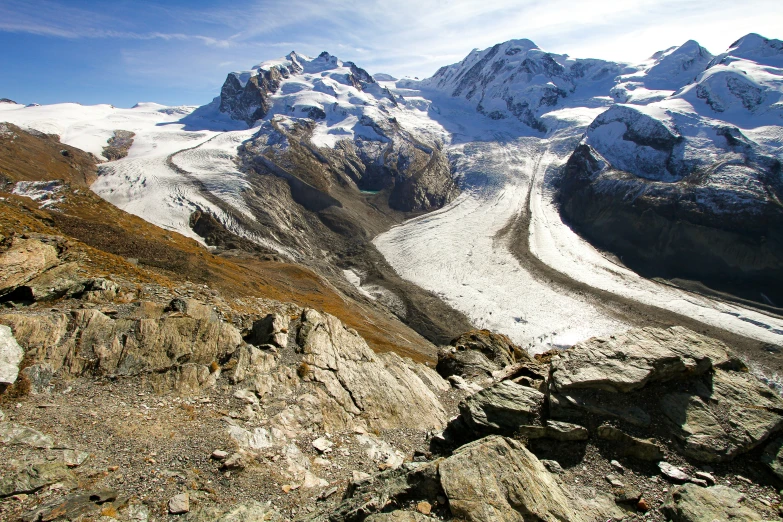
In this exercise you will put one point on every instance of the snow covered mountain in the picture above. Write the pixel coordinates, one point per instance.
(518, 80)
(691, 184)
(414, 193)
(665, 72)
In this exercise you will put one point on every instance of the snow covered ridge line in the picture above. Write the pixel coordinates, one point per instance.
(246, 95)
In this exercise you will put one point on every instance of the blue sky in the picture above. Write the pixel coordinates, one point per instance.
(178, 52)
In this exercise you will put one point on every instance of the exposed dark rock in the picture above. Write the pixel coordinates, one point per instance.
(666, 212)
(118, 145)
(502, 408)
(479, 353)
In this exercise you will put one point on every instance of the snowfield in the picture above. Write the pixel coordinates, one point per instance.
(499, 253)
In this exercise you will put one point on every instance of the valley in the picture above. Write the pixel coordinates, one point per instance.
(529, 287)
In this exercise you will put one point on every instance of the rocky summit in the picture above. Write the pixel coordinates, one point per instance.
(528, 288)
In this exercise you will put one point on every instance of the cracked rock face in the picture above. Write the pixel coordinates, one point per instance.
(691, 503)
(382, 388)
(176, 346)
(626, 362)
(498, 479)
(733, 416)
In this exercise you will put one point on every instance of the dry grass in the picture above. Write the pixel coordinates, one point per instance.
(105, 237)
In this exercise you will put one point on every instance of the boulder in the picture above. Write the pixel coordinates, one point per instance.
(692, 503)
(56, 282)
(502, 408)
(179, 504)
(731, 415)
(629, 446)
(411, 482)
(39, 376)
(627, 362)
(560, 431)
(496, 479)
(23, 261)
(86, 341)
(12, 434)
(10, 357)
(399, 516)
(673, 473)
(581, 404)
(272, 329)
(251, 511)
(526, 373)
(479, 353)
(381, 388)
(250, 362)
(35, 477)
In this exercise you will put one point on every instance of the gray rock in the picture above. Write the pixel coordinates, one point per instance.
(251, 511)
(219, 455)
(99, 289)
(691, 503)
(23, 261)
(673, 473)
(246, 396)
(561, 431)
(626, 494)
(73, 506)
(459, 383)
(251, 362)
(272, 329)
(527, 373)
(86, 341)
(39, 376)
(419, 481)
(235, 462)
(501, 408)
(380, 388)
(496, 479)
(564, 431)
(35, 477)
(56, 282)
(737, 414)
(629, 446)
(628, 361)
(399, 516)
(614, 481)
(179, 504)
(577, 404)
(465, 364)
(479, 353)
(703, 475)
(11, 434)
(74, 458)
(10, 357)
(553, 466)
(772, 457)
(323, 445)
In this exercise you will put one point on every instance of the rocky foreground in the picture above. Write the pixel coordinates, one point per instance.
(129, 406)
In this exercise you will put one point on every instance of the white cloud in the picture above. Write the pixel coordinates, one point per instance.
(400, 37)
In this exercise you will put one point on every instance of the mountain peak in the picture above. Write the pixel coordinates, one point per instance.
(753, 46)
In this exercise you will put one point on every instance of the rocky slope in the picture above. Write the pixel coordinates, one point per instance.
(690, 186)
(118, 413)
